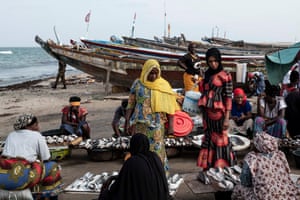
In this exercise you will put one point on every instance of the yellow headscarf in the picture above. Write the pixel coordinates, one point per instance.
(163, 99)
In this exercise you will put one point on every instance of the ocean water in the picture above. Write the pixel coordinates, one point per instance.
(21, 64)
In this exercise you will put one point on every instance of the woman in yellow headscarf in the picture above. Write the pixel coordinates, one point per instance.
(151, 102)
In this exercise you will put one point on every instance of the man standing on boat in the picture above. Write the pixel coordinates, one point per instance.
(190, 62)
(61, 74)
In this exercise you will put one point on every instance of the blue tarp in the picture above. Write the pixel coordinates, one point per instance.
(279, 63)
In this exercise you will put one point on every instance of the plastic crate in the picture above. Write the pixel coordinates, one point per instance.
(59, 152)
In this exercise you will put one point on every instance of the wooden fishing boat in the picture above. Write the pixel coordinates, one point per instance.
(148, 52)
(250, 45)
(182, 47)
(121, 68)
(109, 66)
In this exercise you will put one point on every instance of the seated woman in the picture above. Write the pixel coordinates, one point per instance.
(271, 111)
(141, 177)
(73, 119)
(24, 161)
(240, 119)
(265, 173)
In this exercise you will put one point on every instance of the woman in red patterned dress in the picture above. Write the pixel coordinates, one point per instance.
(215, 102)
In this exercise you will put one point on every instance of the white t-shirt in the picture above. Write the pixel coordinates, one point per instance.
(27, 144)
(280, 104)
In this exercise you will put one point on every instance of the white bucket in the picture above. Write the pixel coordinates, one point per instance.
(190, 102)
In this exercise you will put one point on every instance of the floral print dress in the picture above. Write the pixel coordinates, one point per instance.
(265, 174)
(147, 122)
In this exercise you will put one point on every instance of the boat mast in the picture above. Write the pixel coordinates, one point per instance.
(133, 25)
(57, 36)
(165, 16)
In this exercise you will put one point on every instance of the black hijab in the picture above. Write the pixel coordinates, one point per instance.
(210, 72)
(142, 176)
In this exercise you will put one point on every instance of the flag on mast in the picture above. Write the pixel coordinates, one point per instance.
(133, 25)
(87, 20)
(87, 17)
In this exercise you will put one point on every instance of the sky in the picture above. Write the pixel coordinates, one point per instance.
(249, 20)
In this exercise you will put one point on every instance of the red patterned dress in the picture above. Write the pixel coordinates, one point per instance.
(216, 99)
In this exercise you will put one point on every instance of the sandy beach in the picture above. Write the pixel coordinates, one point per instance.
(46, 103)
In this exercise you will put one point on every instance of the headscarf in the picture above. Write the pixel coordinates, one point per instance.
(142, 175)
(265, 143)
(210, 72)
(238, 92)
(24, 120)
(163, 99)
(139, 143)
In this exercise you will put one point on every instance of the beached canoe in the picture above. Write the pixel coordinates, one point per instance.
(154, 53)
(121, 68)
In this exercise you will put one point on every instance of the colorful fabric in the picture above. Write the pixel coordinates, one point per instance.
(278, 129)
(217, 93)
(216, 149)
(163, 98)
(146, 121)
(268, 171)
(19, 174)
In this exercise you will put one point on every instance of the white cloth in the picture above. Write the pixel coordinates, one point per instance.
(27, 144)
(286, 78)
(280, 104)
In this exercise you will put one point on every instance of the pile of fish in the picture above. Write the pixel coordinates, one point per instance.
(120, 143)
(90, 182)
(174, 183)
(60, 140)
(290, 143)
(178, 141)
(225, 178)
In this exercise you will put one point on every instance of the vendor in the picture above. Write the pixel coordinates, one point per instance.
(190, 62)
(73, 119)
(25, 157)
(240, 120)
(265, 173)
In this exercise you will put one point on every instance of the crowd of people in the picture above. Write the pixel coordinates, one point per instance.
(151, 105)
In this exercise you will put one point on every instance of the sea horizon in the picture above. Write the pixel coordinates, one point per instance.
(23, 64)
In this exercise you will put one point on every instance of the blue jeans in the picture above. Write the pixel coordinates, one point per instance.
(73, 130)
